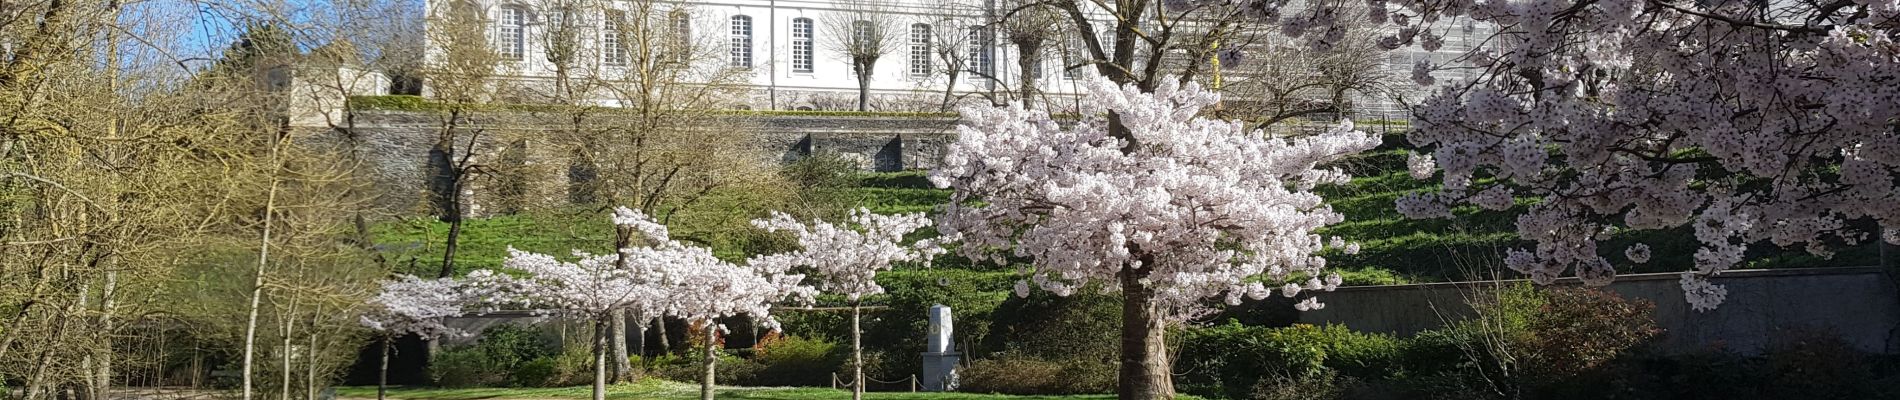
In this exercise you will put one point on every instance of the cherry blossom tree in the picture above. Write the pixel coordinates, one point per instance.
(409, 305)
(666, 278)
(1183, 209)
(846, 258)
(1752, 122)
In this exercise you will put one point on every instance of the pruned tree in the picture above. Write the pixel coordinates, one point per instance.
(1033, 28)
(1749, 123)
(846, 258)
(861, 31)
(950, 47)
(1183, 209)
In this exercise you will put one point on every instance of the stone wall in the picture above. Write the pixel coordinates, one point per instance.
(1858, 304)
(396, 147)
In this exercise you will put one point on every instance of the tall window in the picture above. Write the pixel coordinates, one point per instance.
(613, 51)
(979, 51)
(1073, 54)
(801, 45)
(680, 46)
(741, 41)
(511, 42)
(920, 51)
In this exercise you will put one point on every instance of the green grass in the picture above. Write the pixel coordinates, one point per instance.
(664, 390)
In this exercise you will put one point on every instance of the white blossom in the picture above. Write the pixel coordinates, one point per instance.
(1702, 295)
(411, 305)
(1637, 253)
(1421, 165)
(666, 278)
(1614, 115)
(845, 259)
(1195, 206)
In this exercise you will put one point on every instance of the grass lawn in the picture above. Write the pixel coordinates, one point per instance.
(664, 390)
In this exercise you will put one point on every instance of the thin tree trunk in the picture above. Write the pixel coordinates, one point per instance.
(712, 359)
(617, 319)
(289, 333)
(382, 374)
(455, 235)
(857, 352)
(1145, 371)
(949, 91)
(600, 359)
(102, 385)
(637, 332)
(257, 280)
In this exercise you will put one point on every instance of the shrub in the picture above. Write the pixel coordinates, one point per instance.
(1580, 329)
(1234, 360)
(465, 367)
(496, 359)
(824, 170)
(795, 361)
(391, 103)
(1011, 373)
(574, 365)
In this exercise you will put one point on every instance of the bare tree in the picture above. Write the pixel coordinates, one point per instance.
(461, 71)
(1278, 78)
(950, 47)
(861, 31)
(1033, 28)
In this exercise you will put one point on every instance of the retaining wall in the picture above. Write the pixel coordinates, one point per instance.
(1857, 304)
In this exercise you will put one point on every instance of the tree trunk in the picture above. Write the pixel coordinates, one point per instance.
(949, 90)
(712, 359)
(637, 332)
(1145, 371)
(864, 85)
(659, 327)
(617, 318)
(448, 250)
(857, 353)
(1028, 64)
(617, 347)
(382, 374)
(102, 386)
(600, 359)
(257, 280)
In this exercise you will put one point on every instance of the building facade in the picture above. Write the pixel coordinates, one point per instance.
(788, 54)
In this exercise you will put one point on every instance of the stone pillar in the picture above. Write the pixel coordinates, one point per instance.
(940, 359)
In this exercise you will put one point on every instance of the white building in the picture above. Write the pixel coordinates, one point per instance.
(784, 50)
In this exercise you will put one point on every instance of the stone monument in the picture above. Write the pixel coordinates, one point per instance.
(940, 359)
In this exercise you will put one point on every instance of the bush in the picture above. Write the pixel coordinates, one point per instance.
(1011, 373)
(573, 366)
(465, 367)
(500, 357)
(824, 170)
(795, 361)
(1580, 329)
(1234, 360)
